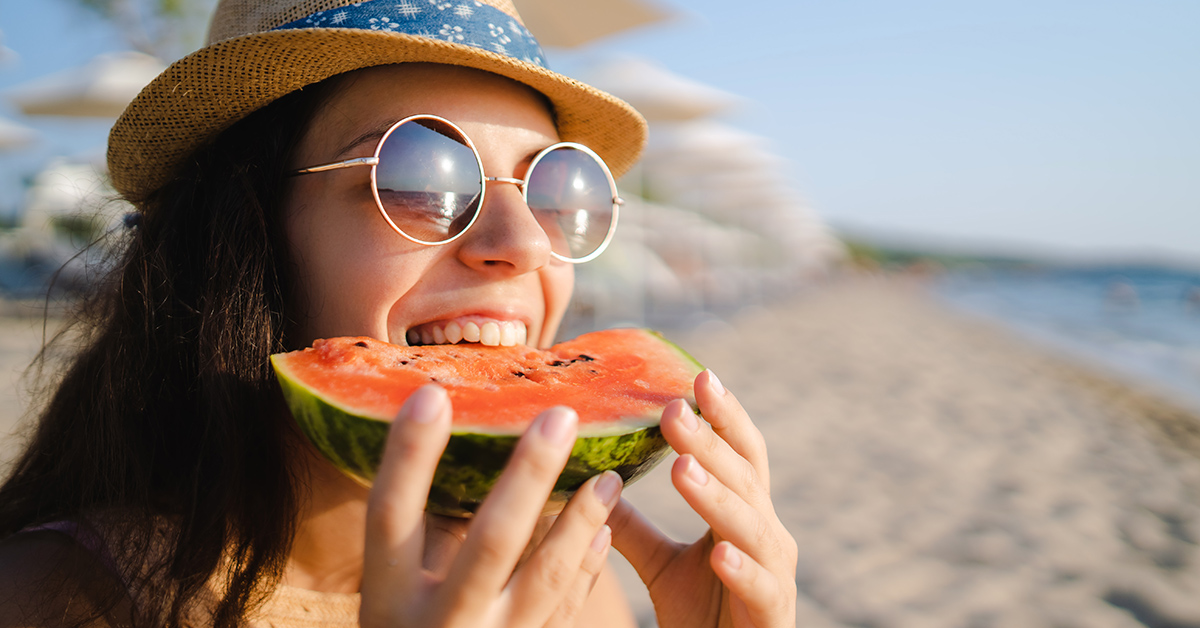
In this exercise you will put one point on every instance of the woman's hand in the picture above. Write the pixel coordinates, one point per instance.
(742, 572)
(478, 587)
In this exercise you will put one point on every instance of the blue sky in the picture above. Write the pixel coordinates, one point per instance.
(1065, 127)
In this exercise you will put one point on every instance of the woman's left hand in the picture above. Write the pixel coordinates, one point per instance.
(742, 572)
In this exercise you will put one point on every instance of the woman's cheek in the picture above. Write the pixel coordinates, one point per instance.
(558, 282)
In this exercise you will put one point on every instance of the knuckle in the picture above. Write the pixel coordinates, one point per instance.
(537, 464)
(492, 546)
(593, 511)
(569, 609)
(591, 515)
(710, 441)
(722, 496)
(790, 590)
(594, 563)
(783, 550)
(785, 602)
(764, 536)
(758, 448)
(751, 484)
(791, 548)
(409, 448)
(405, 447)
(553, 573)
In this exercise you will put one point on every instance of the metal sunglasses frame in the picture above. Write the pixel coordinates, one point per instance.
(523, 184)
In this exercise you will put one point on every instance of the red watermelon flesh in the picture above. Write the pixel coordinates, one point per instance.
(345, 391)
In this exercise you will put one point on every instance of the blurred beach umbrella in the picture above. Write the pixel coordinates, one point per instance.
(13, 135)
(711, 167)
(660, 95)
(100, 88)
(66, 187)
(66, 206)
(573, 23)
(732, 178)
(702, 139)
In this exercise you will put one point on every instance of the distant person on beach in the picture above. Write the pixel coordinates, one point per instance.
(1191, 299)
(283, 181)
(1121, 295)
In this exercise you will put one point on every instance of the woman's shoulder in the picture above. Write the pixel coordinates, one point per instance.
(47, 578)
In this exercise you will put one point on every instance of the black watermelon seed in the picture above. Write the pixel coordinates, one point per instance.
(404, 362)
(559, 363)
(518, 373)
(361, 344)
(586, 358)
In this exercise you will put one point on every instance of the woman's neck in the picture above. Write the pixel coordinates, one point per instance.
(327, 551)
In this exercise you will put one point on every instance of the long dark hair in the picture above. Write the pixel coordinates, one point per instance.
(168, 412)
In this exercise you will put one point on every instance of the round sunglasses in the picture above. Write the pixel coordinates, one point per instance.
(429, 184)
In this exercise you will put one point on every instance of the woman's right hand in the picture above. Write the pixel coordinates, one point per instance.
(478, 586)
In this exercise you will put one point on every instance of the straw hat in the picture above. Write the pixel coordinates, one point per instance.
(260, 50)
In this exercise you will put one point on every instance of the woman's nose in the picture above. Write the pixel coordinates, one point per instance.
(506, 237)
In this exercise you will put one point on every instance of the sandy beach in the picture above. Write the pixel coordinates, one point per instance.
(938, 471)
(935, 470)
(21, 333)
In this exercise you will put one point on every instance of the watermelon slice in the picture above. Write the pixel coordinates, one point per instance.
(344, 392)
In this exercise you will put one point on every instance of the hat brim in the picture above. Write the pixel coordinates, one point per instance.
(206, 92)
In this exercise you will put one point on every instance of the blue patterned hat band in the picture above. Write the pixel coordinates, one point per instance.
(464, 22)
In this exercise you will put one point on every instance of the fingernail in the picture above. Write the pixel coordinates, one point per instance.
(733, 557)
(602, 539)
(715, 383)
(558, 425)
(687, 417)
(607, 487)
(696, 472)
(425, 405)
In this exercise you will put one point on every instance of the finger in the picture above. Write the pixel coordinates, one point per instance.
(768, 600)
(554, 567)
(444, 537)
(758, 533)
(731, 422)
(646, 548)
(689, 435)
(396, 506)
(575, 600)
(502, 527)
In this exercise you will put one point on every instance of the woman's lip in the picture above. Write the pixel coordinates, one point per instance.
(488, 330)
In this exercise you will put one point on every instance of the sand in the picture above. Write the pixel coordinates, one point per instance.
(935, 469)
(21, 333)
(938, 471)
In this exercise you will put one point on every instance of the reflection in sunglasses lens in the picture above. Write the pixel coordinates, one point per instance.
(570, 193)
(428, 180)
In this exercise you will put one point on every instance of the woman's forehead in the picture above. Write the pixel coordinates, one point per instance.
(368, 101)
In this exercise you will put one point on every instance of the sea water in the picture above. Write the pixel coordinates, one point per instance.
(1139, 322)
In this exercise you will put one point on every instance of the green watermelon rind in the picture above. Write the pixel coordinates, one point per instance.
(473, 460)
(698, 367)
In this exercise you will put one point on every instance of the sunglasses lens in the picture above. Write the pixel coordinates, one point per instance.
(570, 192)
(428, 180)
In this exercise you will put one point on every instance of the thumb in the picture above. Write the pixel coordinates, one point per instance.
(646, 548)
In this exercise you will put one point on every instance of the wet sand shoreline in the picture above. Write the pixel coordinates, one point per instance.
(935, 469)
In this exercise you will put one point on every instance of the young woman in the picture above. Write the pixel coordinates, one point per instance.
(328, 168)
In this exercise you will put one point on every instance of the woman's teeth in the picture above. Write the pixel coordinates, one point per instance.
(490, 334)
